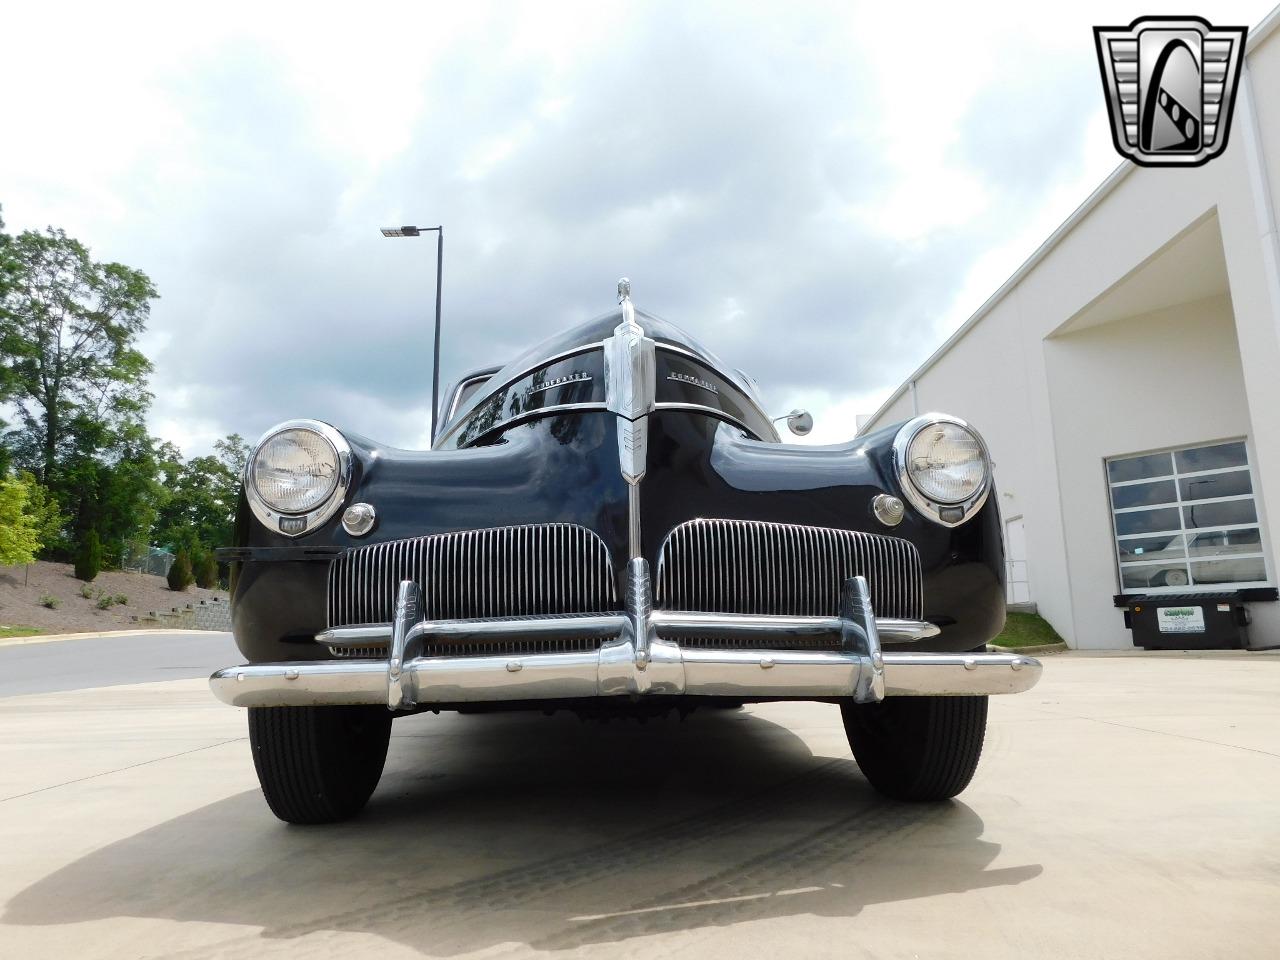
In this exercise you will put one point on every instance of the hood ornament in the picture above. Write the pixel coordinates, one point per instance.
(631, 383)
(630, 365)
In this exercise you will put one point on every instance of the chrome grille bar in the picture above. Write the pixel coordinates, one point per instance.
(517, 571)
(754, 567)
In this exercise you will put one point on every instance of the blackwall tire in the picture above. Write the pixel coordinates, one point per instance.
(318, 764)
(917, 748)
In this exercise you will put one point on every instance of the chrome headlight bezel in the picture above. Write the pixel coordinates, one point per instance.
(936, 510)
(300, 524)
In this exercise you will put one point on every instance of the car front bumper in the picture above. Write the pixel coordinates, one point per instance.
(639, 655)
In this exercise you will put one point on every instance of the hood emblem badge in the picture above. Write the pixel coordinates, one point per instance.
(694, 381)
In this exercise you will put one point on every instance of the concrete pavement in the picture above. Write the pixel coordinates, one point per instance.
(1127, 807)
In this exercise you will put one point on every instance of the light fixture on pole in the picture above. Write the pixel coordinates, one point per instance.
(408, 231)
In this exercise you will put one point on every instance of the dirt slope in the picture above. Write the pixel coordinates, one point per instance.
(20, 601)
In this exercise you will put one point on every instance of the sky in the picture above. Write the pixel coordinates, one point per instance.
(820, 193)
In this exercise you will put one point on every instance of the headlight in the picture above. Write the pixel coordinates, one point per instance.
(297, 476)
(295, 470)
(943, 467)
(945, 462)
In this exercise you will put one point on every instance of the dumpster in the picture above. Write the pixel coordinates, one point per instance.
(1190, 621)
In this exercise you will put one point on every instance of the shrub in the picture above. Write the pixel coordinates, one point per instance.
(86, 591)
(89, 557)
(120, 598)
(104, 603)
(50, 602)
(206, 571)
(180, 575)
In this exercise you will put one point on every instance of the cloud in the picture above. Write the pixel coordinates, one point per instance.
(817, 193)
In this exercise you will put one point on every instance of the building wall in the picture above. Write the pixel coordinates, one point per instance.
(1045, 394)
(1166, 379)
(1264, 81)
(1248, 213)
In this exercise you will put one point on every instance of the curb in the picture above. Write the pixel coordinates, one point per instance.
(56, 637)
(1036, 651)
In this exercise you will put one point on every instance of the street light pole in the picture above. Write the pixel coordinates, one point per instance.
(408, 231)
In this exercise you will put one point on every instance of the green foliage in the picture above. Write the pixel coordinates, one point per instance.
(120, 598)
(19, 536)
(180, 575)
(1026, 630)
(104, 603)
(206, 571)
(47, 518)
(86, 591)
(233, 451)
(50, 601)
(198, 509)
(89, 557)
(112, 484)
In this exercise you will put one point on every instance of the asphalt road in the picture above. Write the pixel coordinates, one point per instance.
(1124, 808)
(109, 661)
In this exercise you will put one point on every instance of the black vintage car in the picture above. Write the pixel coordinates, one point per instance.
(610, 524)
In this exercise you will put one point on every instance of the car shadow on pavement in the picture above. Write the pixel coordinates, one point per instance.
(540, 832)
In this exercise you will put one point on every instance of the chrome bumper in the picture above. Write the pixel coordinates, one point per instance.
(640, 655)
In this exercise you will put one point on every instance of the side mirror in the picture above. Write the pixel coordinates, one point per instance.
(799, 422)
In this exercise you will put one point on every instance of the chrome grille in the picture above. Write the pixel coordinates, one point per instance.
(501, 572)
(360, 653)
(495, 648)
(746, 566)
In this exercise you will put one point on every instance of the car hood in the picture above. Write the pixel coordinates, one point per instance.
(595, 332)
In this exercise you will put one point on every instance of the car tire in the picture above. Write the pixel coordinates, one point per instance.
(318, 764)
(917, 748)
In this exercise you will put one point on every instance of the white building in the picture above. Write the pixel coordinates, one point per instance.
(1127, 381)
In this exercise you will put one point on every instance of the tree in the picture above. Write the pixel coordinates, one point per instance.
(71, 372)
(68, 326)
(19, 535)
(233, 450)
(89, 557)
(180, 576)
(9, 270)
(200, 496)
(206, 571)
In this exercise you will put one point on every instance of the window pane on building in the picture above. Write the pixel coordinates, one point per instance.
(1148, 575)
(1218, 572)
(1139, 468)
(1144, 494)
(1211, 458)
(1186, 519)
(1151, 548)
(1225, 542)
(1147, 521)
(1219, 514)
(1215, 485)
